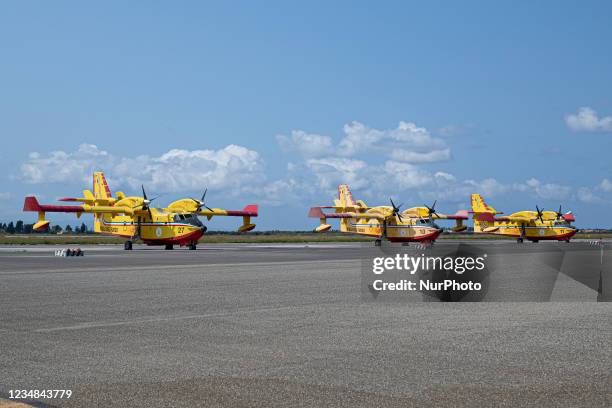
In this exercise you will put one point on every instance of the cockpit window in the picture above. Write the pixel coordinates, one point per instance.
(188, 219)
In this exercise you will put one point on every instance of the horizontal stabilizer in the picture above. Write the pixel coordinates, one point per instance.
(31, 204)
(317, 212)
(250, 210)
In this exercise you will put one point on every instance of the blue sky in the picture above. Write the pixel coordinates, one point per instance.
(277, 103)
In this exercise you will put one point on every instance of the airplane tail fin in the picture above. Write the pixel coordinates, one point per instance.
(100, 187)
(479, 205)
(484, 214)
(345, 197)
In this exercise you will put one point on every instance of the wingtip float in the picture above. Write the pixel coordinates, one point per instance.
(134, 218)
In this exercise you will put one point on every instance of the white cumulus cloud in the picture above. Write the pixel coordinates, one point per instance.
(606, 185)
(307, 144)
(587, 120)
(545, 191)
(60, 166)
(331, 171)
(407, 143)
(231, 168)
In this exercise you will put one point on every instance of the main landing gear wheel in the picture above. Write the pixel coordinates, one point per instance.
(169, 246)
(127, 245)
(378, 242)
(193, 246)
(519, 240)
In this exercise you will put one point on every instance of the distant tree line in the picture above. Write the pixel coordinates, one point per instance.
(19, 227)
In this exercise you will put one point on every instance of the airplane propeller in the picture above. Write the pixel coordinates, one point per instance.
(146, 202)
(432, 209)
(540, 213)
(396, 209)
(559, 213)
(200, 203)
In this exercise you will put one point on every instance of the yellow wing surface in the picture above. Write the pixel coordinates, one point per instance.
(189, 205)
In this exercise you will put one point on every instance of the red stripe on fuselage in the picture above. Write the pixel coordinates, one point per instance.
(180, 240)
(419, 238)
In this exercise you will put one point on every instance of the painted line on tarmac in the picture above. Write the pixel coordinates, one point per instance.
(94, 325)
(187, 266)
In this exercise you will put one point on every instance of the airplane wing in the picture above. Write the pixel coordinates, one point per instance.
(250, 210)
(317, 212)
(459, 215)
(246, 213)
(32, 204)
(517, 218)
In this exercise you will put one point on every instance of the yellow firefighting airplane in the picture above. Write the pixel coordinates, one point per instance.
(385, 222)
(532, 225)
(134, 218)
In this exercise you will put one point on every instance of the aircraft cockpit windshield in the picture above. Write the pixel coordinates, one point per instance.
(188, 219)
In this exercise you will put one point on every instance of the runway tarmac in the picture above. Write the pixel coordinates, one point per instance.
(281, 325)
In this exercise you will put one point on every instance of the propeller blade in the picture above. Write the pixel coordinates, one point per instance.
(540, 213)
(396, 209)
(144, 194)
(201, 203)
(432, 209)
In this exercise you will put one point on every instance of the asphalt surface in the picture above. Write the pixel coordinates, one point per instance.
(282, 325)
